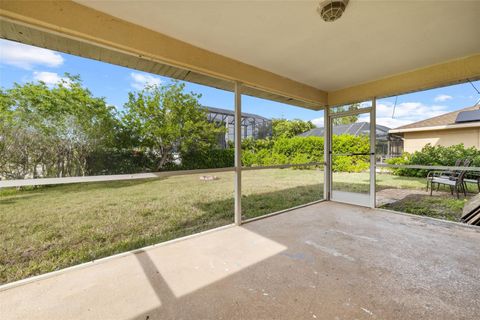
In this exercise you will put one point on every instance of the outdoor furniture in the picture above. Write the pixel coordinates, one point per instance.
(456, 183)
(473, 179)
(443, 174)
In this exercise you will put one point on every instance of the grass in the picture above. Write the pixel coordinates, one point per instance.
(440, 207)
(360, 182)
(49, 228)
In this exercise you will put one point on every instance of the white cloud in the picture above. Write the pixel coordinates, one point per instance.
(140, 80)
(26, 57)
(50, 78)
(389, 122)
(405, 113)
(413, 111)
(442, 98)
(318, 122)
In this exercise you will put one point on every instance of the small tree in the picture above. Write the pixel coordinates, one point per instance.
(346, 119)
(165, 119)
(50, 131)
(283, 128)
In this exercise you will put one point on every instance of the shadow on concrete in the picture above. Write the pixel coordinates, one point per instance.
(340, 261)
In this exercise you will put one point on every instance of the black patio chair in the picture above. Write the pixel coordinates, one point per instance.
(443, 174)
(472, 177)
(455, 182)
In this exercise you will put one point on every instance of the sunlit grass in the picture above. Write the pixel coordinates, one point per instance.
(49, 228)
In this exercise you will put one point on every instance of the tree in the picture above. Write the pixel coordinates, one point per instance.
(346, 119)
(165, 119)
(283, 128)
(50, 131)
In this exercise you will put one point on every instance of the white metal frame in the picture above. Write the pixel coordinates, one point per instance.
(116, 177)
(418, 166)
(238, 154)
(237, 169)
(373, 160)
(328, 155)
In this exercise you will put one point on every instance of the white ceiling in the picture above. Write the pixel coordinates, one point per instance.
(373, 39)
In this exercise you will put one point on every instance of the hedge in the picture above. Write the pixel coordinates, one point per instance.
(114, 161)
(434, 156)
(127, 161)
(299, 150)
(263, 152)
(214, 158)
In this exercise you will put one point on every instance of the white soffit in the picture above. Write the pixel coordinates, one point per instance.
(372, 40)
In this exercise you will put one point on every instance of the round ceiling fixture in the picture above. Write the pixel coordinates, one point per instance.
(331, 10)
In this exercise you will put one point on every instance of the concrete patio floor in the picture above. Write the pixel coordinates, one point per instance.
(324, 261)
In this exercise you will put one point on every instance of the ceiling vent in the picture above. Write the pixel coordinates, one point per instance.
(331, 10)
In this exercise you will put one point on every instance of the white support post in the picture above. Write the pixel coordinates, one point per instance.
(326, 153)
(373, 160)
(238, 154)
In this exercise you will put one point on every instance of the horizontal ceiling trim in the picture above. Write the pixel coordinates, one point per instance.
(73, 20)
(439, 75)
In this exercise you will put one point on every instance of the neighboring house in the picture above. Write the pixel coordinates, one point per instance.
(386, 144)
(461, 126)
(253, 125)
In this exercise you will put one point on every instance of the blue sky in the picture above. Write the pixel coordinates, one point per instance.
(21, 63)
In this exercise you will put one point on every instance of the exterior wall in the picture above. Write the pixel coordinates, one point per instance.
(415, 141)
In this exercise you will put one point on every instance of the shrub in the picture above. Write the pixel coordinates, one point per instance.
(311, 148)
(113, 161)
(298, 150)
(435, 156)
(404, 159)
(351, 163)
(205, 159)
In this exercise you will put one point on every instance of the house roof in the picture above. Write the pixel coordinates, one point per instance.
(356, 129)
(444, 121)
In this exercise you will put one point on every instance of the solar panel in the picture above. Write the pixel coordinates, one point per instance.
(468, 116)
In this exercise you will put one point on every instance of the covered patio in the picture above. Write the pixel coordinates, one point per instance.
(324, 261)
(338, 257)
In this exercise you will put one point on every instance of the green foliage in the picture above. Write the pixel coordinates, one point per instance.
(165, 119)
(310, 148)
(208, 158)
(403, 160)
(298, 150)
(63, 130)
(435, 156)
(346, 119)
(114, 161)
(283, 128)
(256, 145)
(346, 143)
(50, 131)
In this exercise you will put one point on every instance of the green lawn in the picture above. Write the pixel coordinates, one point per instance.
(360, 182)
(50, 228)
(442, 206)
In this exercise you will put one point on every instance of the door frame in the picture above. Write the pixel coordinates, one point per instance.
(328, 124)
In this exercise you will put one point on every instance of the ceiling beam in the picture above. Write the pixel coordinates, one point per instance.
(435, 76)
(78, 22)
